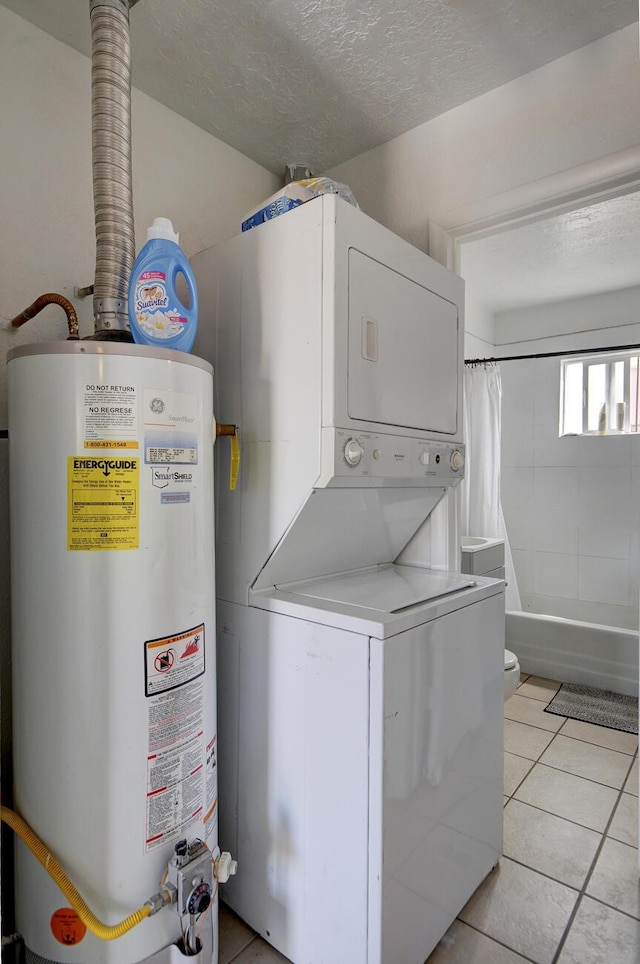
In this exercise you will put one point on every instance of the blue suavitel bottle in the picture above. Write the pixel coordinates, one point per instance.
(156, 313)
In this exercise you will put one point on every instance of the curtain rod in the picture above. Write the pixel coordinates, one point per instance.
(554, 354)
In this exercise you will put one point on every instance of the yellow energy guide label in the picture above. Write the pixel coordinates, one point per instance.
(103, 497)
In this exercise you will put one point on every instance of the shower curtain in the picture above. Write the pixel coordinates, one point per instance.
(480, 505)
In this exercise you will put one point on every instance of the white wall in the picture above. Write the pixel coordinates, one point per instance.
(479, 326)
(575, 110)
(46, 210)
(571, 504)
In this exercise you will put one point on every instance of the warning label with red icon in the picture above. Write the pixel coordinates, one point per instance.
(172, 661)
(67, 927)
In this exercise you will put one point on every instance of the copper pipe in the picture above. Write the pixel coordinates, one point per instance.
(222, 429)
(51, 298)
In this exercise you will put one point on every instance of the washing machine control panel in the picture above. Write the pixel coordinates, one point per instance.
(365, 458)
(353, 451)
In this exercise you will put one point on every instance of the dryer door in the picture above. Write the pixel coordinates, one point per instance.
(403, 350)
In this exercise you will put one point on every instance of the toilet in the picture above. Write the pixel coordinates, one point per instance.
(485, 557)
(511, 673)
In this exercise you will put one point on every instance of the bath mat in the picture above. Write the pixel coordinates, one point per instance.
(591, 705)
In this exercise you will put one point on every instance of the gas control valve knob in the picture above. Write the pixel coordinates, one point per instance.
(199, 899)
(457, 460)
(353, 451)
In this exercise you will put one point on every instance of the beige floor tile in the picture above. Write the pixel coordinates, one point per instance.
(601, 736)
(531, 712)
(565, 795)
(539, 688)
(600, 935)
(624, 825)
(631, 786)
(549, 844)
(259, 952)
(515, 770)
(522, 909)
(523, 678)
(234, 934)
(463, 945)
(588, 761)
(526, 741)
(615, 878)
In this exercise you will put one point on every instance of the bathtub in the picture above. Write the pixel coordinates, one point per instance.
(575, 652)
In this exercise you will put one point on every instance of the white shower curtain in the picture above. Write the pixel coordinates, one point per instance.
(480, 505)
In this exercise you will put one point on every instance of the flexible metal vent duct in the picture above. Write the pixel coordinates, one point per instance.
(111, 143)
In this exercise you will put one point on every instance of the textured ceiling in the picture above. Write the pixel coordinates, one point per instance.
(584, 252)
(320, 81)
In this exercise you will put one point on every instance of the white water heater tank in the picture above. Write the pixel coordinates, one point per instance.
(111, 461)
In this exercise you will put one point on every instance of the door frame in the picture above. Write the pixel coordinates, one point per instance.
(611, 176)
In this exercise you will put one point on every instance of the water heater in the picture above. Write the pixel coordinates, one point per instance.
(111, 451)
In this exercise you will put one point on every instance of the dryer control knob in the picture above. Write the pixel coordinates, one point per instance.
(457, 460)
(353, 451)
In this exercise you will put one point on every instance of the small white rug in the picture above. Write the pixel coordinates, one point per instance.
(592, 705)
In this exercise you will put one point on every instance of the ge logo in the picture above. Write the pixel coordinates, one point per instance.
(157, 406)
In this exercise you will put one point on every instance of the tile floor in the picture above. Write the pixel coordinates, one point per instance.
(567, 888)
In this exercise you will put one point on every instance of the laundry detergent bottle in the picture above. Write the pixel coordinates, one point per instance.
(157, 315)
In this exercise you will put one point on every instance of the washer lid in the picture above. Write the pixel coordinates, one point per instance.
(383, 589)
(510, 659)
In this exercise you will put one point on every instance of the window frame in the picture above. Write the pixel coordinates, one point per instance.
(609, 359)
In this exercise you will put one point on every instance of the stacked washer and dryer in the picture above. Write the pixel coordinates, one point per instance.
(360, 674)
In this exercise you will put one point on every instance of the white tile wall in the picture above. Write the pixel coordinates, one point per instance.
(556, 528)
(606, 450)
(551, 449)
(555, 574)
(523, 564)
(555, 488)
(602, 486)
(571, 504)
(604, 580)
(519, 440)
(517, 487)
(546, 391)
(634, 516)
(604, 533)
(518, 523)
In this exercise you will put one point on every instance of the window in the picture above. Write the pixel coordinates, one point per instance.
(600, 394)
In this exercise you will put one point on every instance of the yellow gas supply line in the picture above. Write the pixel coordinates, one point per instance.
(105, 932)
(231, 431)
